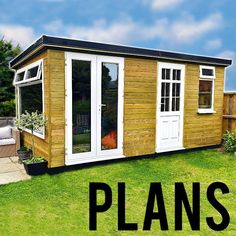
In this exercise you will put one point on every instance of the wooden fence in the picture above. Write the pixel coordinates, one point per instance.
(229, 112)
(7, 121)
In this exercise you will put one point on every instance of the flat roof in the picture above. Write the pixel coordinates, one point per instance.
(67, 44)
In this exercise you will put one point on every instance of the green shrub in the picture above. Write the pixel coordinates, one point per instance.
(229, 141)
(34, 159)
(24, 149)
(7, 108)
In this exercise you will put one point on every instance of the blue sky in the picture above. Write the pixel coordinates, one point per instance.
(197, 26)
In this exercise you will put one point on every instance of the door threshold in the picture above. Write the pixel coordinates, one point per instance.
(91, 159)
(170, 149)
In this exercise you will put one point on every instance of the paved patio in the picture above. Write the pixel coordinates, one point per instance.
(11, 171)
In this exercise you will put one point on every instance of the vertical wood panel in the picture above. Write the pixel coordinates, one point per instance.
(139, 106)
(56, 66)
(202, 129)
(229, 112)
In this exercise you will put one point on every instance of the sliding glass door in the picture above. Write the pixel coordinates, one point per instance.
(94, 105)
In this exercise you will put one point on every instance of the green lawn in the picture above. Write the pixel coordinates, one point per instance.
(58, 204)
(81, 143)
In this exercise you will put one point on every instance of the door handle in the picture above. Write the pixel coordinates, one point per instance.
(103, 105)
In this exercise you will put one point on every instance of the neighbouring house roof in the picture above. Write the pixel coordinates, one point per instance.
(65, 44)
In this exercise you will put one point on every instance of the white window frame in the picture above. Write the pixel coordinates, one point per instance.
(28, 82)
(96, 154)
(208, 68)
(26, 69)
(207, 78)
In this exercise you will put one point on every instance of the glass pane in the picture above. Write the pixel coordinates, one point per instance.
(174, 89)
(167, 105)
(166, 74)
(167, 89)
(81, 106)
(109, 106)
(173, 104)
(163, 73)
(177, 104)
(31, 99)
(177, 93)
(205, 86)
(176, 74)
(165, 94)
(163, 89)
(207, 72)
(20, 76)
(204, 101)
(32, 72)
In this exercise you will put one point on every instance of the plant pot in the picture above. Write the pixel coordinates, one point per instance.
(36, 168)
(24, 155)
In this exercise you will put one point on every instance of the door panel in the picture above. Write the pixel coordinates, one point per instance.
(94, 108)
(169, 131)
(170, 97)
(81, 106)
(109, 106)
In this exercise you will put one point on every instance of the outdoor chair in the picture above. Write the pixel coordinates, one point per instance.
(9, 141)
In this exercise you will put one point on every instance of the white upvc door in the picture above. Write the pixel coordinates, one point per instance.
(170, 107)
(116, 66)
(94, 108)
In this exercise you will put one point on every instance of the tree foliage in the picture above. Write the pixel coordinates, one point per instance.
(7, 92)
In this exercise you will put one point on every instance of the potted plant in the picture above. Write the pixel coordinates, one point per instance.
(36, 165)
(24, 153)
(33, 121)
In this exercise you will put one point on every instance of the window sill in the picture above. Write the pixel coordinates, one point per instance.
(42, 136)
(205, 111)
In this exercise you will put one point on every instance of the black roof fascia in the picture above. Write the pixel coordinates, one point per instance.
(55, 42)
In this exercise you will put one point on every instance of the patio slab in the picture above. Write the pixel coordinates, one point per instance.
(14, 159)
(15, 176)
(5, 160)
(11, 171)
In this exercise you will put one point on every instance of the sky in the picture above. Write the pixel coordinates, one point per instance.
(197, 26)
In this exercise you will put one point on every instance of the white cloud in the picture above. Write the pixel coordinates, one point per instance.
(53, 26)
(227, 54)
(18, 34)
(127, 31)
(189, 29)
(163, 5)
(118, 32)
(213, 44)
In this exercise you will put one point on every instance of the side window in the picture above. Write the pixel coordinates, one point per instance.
(206, 89)
(29, 84)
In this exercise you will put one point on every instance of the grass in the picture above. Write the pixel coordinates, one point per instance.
(81, 138)
(58, 204)
(81, 143)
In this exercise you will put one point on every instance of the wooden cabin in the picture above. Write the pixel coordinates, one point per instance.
(105, 101)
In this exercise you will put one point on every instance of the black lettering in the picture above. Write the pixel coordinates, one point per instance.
(155, 192)
(220, 208)
(194, 214)
(122, 225)
(94, 208)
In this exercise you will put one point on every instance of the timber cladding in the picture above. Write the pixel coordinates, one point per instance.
(140, 85)
(42, 147)
(140, 92)
(53, 146)
(202, 129)
(57, 107)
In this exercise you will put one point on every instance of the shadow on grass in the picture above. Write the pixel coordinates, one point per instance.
(199, 157)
